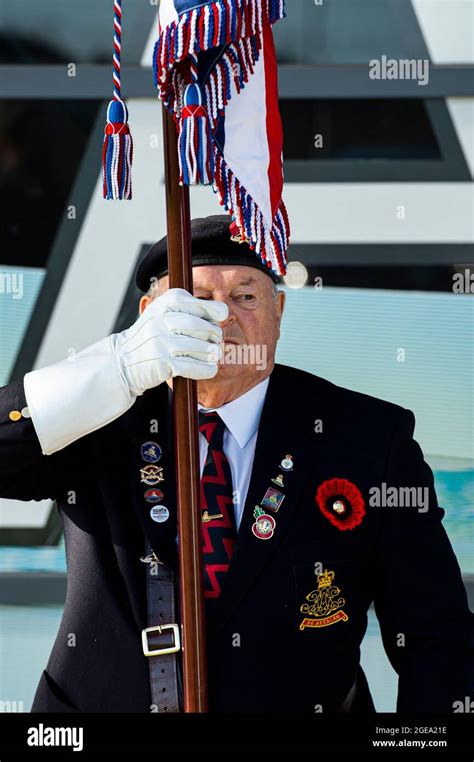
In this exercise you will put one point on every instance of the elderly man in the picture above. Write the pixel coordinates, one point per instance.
(296, 544)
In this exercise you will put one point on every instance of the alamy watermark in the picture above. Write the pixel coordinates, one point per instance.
(400, 497)
(417, 69)
(239, 354)
(42, 735)
(463, 282)
(7, 705)
(11, 283)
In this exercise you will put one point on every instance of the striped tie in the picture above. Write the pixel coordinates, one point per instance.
(218, 518)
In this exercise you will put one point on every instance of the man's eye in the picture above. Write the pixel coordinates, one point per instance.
(246, 297)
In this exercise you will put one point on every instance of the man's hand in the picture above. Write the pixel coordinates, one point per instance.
(176, 335)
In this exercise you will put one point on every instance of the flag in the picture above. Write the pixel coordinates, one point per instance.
(216, 72)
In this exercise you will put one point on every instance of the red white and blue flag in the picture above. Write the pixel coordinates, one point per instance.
(215, 69)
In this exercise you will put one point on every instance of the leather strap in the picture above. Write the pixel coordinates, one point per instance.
(165, 676)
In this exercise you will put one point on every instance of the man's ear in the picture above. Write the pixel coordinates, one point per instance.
(281, 300)
(144, 302)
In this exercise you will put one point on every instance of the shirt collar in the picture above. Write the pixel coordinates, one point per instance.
(242, 415)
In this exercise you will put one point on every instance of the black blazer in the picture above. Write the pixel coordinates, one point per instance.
(261, 656)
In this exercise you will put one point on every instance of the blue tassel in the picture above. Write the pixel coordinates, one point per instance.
(195, 152)
(117, 153)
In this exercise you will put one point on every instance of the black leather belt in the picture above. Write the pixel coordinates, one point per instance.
(161, 640)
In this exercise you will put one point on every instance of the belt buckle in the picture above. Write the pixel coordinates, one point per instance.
(164, 650)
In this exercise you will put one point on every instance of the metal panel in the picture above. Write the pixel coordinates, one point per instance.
(295, 81)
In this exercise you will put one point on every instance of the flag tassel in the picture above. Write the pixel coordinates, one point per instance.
(196, 159)
(117, 153)
(117, 149)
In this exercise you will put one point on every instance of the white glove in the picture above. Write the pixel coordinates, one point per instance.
(176, 335)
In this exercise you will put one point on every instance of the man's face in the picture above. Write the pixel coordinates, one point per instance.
(252, 329)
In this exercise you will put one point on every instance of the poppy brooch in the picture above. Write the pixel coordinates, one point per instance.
(341, 502)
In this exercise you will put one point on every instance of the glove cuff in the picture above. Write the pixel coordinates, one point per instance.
(74, 397)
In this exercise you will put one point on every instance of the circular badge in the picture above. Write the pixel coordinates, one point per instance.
(151, 452)
(287, 463)
(153, 495)
(159, 513)
(264, 527)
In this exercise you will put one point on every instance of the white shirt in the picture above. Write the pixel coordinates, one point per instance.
(242, 418)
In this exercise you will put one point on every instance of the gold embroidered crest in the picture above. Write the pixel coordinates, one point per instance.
(323, 602)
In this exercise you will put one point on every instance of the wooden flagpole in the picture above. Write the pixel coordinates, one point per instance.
(186, 443)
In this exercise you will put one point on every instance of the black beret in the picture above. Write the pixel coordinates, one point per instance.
(211, 244)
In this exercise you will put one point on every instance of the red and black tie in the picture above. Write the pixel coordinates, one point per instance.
(218, 520)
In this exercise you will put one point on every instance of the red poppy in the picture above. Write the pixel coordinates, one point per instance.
(341, 502)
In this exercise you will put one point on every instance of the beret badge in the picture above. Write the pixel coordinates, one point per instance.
(341, 502)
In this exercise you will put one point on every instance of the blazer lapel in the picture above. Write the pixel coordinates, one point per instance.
(284, 430)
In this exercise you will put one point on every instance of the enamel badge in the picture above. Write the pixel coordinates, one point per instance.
(151, 475)
(264, 525)
(325, 604)
(287, 463)
(272, 499)
(151, 452)
(159, 513)
(153, 495)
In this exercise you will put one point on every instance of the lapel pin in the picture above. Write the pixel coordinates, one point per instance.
(159, 513)
(151, 475)
(206, 517)
(153, 495)
(341, 502)
(287, 463)
(278, 480)
(151, 452)
(264, 525)
(273, 499)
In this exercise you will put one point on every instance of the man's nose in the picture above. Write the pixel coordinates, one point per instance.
(231, 317)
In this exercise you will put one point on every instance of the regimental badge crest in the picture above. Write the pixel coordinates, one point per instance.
(264, 525)
(151, 452)
(151, 475)
(325, 604)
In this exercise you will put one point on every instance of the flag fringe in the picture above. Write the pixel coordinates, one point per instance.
(237, 26)
(236, 64)
(270, 243)
(208, 26)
